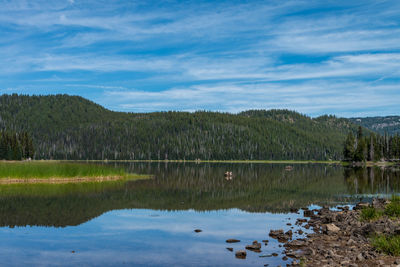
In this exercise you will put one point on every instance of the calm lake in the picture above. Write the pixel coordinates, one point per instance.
(152, 222)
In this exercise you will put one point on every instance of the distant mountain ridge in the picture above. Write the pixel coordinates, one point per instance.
(382, 125)
(71, 127)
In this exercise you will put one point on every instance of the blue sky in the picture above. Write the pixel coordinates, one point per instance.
(316, 57)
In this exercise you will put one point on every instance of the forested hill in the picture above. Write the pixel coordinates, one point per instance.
(382, 125)
(71, 127)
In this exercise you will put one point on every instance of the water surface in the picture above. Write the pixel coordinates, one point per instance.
(152, 222)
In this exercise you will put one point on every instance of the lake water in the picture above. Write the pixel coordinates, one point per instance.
(152, 222)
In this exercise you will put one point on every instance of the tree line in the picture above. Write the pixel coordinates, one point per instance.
(371, 147)
(74, 128)
(16, 146)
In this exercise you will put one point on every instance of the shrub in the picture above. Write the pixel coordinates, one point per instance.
(370, 213)
(387, 244)
(393, 208)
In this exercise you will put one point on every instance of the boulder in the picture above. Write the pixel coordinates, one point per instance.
(232, 240)
(276, 233)
(255, 246)
(330, 228)
(241, 254)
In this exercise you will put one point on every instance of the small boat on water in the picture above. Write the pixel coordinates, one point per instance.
(228, 175)
(288, 168)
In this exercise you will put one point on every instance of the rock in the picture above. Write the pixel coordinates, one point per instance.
(308, 213)
(241, 254)
(330, 228)
(294, 210)
(280, 235)
(292, 254)
(276, 233)
(230, 249)
(283, 239)
(198, 230)
(360, 257)
(255, 246)
(379, 203)
(340, 238)
(275, 254)
(232, 240)
(295, 244)
(351, 242)
(300, 221)
(308, 252)
(300, 232)
(284, 258)
(361, 205)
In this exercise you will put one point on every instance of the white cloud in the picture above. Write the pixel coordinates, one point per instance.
(289, 54)
(309, 97)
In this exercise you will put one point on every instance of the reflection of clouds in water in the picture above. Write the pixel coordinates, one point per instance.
(217, 224)
(134, 237)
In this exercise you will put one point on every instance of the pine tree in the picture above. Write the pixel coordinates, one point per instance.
(349, 147)
(371, 149)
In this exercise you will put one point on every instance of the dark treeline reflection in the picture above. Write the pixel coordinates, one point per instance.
(179, 186)
(372, 181)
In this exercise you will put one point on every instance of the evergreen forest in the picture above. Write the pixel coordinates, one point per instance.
(371, 147)
(15, 146)
(74, 128)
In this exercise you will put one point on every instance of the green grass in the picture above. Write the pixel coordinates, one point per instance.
(393, 208)
(370, 214)
(54, 169)
(387, 244)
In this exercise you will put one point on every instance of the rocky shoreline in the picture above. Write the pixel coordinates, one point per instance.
(339, 238)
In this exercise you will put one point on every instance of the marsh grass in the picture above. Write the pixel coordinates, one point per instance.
(387, 244)
(47, 170)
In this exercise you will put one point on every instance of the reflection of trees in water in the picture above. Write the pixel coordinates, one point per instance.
(372, 180)
(255, 188)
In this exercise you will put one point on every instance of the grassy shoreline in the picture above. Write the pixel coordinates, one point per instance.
(13, 172)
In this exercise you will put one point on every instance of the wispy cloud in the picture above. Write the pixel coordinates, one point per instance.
(187, 56)
(311, 98)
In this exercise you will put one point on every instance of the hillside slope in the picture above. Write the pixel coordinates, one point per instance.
(382, 125)
(71, 127)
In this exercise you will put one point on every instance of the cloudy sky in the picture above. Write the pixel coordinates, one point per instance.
(316, 57)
